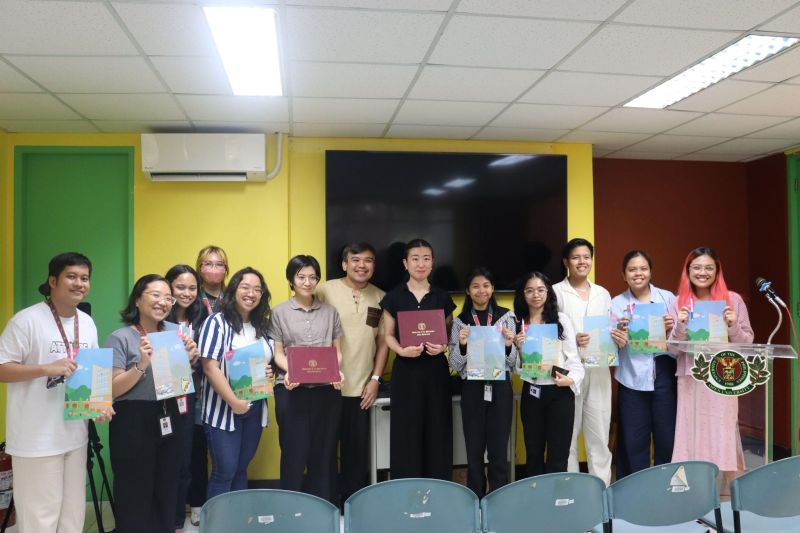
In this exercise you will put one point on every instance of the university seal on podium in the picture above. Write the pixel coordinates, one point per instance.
(728, 373)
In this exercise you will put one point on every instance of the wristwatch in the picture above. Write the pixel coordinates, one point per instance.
(376, 377)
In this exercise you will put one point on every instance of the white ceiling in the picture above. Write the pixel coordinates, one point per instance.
(531, 70)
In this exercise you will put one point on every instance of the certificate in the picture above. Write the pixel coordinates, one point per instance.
(172, 373)
(646, 329)
(706, 322)
(416, 327)
(601, 351)
(313, 365)
(539, 351)
(247, 372)
(486, 353)
(88, 390)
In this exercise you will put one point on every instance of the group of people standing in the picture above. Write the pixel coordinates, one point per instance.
(159, 448)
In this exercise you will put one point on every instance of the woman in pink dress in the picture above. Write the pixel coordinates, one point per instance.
(707, 427)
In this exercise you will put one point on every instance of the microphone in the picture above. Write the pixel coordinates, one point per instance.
(765, 287)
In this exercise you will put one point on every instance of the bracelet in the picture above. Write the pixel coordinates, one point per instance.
(136, 366)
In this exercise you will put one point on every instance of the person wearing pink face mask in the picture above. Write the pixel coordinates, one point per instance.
(212, 265)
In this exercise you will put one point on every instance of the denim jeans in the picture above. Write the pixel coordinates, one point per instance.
(231, 451)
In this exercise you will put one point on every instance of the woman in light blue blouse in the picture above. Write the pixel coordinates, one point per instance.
(647, 398)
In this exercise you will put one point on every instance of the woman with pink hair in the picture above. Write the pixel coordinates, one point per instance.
(707, 426)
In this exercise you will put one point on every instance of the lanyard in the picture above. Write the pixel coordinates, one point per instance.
(72, 351)
(488, 316)
(141, 330)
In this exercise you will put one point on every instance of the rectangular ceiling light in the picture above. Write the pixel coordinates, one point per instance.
(743, 53)
(247, 41)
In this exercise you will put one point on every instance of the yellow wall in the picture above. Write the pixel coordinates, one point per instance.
(258, 224)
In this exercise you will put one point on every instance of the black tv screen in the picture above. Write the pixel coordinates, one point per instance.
(506, 212)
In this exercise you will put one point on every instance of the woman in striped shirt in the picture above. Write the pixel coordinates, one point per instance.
(233, 425)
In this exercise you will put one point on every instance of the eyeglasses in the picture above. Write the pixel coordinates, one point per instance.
(247, 289)
(303, 279)
(700, 268)
(213, 265)
(531, 290)
(157, 296)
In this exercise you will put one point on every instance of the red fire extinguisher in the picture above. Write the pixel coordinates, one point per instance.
(6, 483)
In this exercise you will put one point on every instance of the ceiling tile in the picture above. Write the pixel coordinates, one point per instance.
(137, 126)
(580, 88)
(221, 126)
(351, 111)
(431, 132)
(306, 129)
(65, 28)
(719, 95)
(781, 100)
(710, 157)
(567, 9)
(236, 108)
(13, 82)
(596, 152)
(480, 84)
(193, 75)
(168, 29)
(33, 107)
(707, 14)
(369, 36)
(520, 134)
(508, 42)
(724, 125)
(677, 143)
(411, 5)
(634, 120)
(441, 113)
(776, 69)
(789, 22)
(630, 154)
(788, 130)
(748, 147)
(603, 140)
(124, 106)
(348, 80)
(546, 116)
(48, 126)
(91, 74)
(794, 81)
(641, 50)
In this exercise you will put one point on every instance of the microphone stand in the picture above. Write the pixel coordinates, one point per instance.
(768, 422)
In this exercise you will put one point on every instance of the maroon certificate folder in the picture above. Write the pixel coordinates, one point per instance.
(416, 327)
(313, 365)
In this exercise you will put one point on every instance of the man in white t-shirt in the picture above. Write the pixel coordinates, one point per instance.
(36, 349)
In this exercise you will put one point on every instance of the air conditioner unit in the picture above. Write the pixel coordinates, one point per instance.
(204, 156)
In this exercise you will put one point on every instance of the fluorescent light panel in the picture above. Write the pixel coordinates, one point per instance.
(247, 41)
(743, 53)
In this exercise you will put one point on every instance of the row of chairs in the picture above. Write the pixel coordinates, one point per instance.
(676, 497)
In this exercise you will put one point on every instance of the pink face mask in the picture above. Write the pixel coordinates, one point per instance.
(214, 277)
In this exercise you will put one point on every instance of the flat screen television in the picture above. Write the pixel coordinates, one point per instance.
(506, 212)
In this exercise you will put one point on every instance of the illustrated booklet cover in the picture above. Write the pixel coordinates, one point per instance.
(247, 372)
(539, 351)
(601, 351)
(87, 392)
(486, 353)
(172, 373)
(706, 322)
(646, 330)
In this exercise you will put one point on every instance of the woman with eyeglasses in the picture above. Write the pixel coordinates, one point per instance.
(190, 313)
(145, 435)
(707, 424)
(234, 425)
(212, 265)
(308, 415)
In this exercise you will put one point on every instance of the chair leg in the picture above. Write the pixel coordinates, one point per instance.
(718, 520)
(737, 525)
(607, 528)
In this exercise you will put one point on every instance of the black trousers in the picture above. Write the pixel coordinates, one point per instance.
(487, 428)
(146, 466)
(308, 432)
(353, 447)
(547, 426)
(646, 414)
(421, 418)
(198, 484)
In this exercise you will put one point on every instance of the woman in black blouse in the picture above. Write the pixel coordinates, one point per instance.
(421, 434)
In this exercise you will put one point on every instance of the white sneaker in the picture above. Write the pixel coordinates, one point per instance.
(195, 516)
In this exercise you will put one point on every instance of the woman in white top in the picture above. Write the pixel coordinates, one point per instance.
(578, 298)
(547, 406)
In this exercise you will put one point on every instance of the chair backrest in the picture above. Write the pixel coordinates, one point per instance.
(412, 506)
(665, 495)
(552, 503)
(284, 511)
(772, 490)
